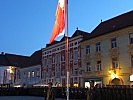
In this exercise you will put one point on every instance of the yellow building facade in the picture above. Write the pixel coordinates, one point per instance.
(107, 55)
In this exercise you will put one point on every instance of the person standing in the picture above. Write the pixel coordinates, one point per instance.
(50, 92)
(90, 91)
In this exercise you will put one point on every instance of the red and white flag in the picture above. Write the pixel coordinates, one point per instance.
(59, 25)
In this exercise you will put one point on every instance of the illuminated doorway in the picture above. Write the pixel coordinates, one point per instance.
(116, 81)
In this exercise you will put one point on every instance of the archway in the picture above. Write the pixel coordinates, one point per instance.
(57, 84)
(116, 81)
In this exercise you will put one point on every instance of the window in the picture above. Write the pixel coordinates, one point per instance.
(37, 73)
(113, 43)
(71, 44)
(114, 62)
(131, 38)
(98, 47)
(45, 61)
(63, 55)
(88, 49)
(99, 66)
(18, 74)
(132, 61)
(24, 75)
(57, 58)
(49, 59)
(53, 58)
(75, 43)
(88, 67)
(75, 71)
(28, 74)
(71, 54)
(75, 55)
(33, 73)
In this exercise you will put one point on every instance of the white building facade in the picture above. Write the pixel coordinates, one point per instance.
(30, 76)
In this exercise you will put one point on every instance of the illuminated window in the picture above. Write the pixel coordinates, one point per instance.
(33, 73)
(115, 62)
(28, 74)
(131, 38)
(98, 47)
(88, 49)
(113, 43)
(99, 68)
(88, 67)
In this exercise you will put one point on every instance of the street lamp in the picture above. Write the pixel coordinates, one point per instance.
(113, 74)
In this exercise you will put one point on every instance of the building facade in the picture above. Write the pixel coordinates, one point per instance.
(104, 56)
(7, 75)
(108, 52)
(17, 70)
(54, 61)
(30, 76)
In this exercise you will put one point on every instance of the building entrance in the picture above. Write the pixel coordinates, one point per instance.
(116, 81)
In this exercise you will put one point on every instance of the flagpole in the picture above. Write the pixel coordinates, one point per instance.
(67, 66)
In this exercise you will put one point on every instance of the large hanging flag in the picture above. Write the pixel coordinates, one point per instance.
(59, 25)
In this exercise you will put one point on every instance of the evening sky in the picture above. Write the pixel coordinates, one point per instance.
(26, 25)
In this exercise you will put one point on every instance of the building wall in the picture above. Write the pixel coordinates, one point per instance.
(30, 76)
(7, 75)
(55, 71)
(106, 54)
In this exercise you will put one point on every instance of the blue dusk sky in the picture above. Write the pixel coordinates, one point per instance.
(26, 25)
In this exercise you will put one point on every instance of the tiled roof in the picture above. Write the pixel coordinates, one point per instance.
(3, 60)
(21, 61)
(18, 60)
(114, 24)
(79, 32)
